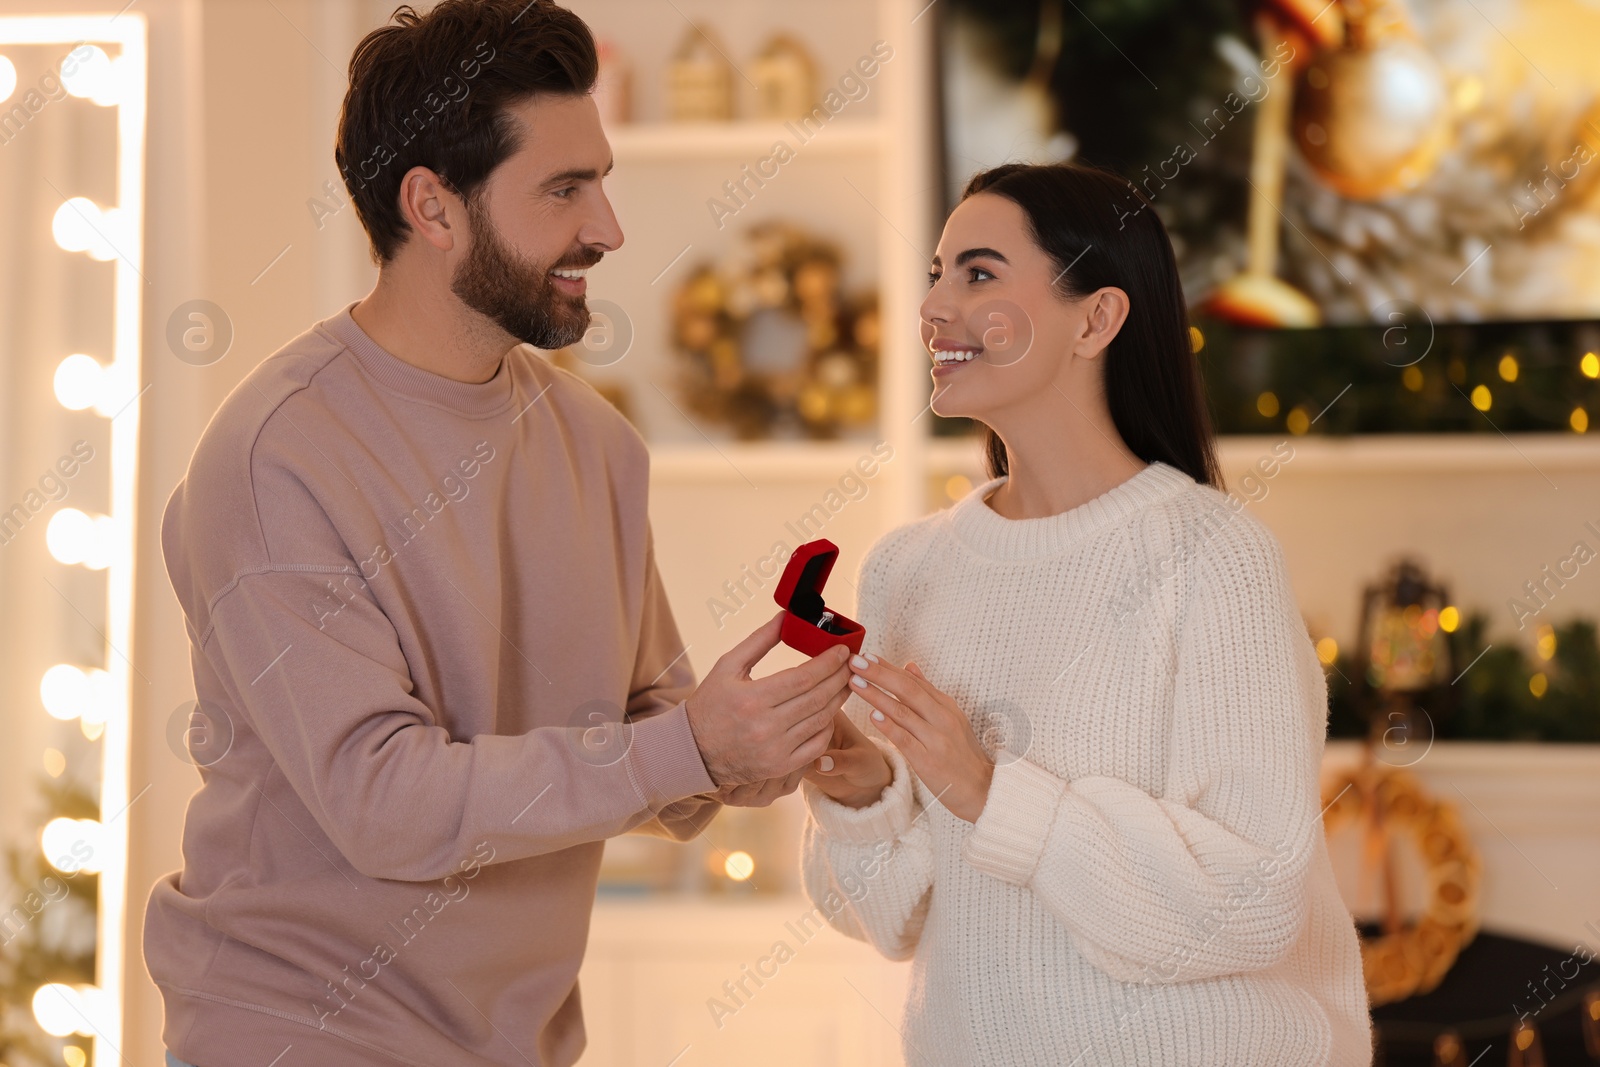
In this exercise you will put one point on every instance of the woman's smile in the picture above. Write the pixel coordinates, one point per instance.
(949, 354)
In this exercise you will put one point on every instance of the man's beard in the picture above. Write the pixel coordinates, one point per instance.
(520, 296)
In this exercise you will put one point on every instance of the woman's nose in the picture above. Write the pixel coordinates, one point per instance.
(936, 306)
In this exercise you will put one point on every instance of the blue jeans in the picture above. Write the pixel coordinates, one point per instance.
(173, 1061)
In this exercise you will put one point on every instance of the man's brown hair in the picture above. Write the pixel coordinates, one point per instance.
(432, 90)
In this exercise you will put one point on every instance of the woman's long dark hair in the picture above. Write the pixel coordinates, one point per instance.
(1105, 229)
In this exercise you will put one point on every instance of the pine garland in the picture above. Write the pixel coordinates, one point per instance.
(1508, 694)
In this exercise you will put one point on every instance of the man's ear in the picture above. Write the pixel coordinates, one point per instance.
(1107, 310)
(431, 208)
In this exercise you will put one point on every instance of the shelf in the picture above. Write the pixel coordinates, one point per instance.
(1366, 454)
(738, 461)
(1392, 453)
(747, 141)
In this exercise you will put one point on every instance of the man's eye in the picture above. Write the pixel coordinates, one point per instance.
(566, 194)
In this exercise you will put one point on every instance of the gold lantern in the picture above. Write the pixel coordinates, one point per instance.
(1404, 658)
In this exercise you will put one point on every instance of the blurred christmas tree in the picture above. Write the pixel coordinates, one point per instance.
(1507, 693)
(47, 934)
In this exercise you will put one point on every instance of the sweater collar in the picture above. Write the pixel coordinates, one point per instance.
(466, 398)
(993, 535)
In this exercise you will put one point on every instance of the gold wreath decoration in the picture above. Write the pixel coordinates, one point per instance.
(1410, 958)
(793, 280)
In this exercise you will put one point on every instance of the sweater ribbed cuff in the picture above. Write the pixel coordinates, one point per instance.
(1010, 833)
(666, 760)
(885, 819)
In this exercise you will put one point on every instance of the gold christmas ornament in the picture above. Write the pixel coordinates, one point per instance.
(1373, 117)
(769, 344)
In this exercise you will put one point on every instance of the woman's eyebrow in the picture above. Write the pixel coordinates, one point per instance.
(977, 253)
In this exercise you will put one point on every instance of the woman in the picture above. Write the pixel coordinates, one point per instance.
(1131, 870)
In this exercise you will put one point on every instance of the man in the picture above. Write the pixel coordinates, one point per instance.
(415, 563)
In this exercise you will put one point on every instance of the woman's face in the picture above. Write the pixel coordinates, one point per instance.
(991, 300)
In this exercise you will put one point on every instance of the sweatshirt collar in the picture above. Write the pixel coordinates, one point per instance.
(993, 535)
(395, 374)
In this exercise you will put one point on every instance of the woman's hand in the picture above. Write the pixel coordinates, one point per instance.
(930, 730)
(853, 771)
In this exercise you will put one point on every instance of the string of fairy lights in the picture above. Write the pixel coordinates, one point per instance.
(94, 695)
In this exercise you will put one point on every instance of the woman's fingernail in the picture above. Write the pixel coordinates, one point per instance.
(858, 662)
(827, 763)
(877, 716)
(858, 681)
(872, 657)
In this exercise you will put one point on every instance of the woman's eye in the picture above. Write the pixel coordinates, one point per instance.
(933, 279)
(979, 270)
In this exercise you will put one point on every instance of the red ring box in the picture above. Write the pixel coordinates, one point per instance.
(799, 593)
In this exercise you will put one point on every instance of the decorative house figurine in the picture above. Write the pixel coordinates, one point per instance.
(700, 80)
(786, 79)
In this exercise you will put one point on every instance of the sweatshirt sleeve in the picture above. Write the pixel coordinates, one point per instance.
(663, 679)
(385, 780)
(1206, 879)
(869, 870)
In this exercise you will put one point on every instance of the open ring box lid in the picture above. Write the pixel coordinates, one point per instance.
(799, 593)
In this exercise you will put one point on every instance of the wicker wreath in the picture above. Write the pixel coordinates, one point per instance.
(1414, 958)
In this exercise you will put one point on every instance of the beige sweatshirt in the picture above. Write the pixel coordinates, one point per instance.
(435, 670)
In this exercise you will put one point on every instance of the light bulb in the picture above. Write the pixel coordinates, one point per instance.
(78, 381)
(74, 845)
(81, 225)
(70, 536)
(91, 75)
(56, 1007)
(739, 866)
(73, 225)
(65, 691)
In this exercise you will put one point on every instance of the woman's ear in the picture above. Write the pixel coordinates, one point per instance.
(1107, 310)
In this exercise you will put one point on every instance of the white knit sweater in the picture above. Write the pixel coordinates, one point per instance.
(1148, 883)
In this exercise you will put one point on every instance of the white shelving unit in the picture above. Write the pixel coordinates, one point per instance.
(860, 180)
(718, 505)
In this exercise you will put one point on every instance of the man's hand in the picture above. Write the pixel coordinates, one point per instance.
(751, 730)
(853, 771)
(759, 794)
